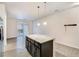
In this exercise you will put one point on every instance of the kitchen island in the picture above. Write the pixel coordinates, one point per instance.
(39, 45)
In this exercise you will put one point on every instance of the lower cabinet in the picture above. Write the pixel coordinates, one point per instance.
(36, 52)
(39, 50)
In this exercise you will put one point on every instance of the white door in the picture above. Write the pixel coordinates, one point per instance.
(22, 32)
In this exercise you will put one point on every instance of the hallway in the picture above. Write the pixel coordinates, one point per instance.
(16, 51)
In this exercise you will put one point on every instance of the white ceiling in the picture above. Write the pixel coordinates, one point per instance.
(29, 10)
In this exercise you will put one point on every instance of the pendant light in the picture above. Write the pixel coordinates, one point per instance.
(38, 10)
(45, 10)
(38, 24)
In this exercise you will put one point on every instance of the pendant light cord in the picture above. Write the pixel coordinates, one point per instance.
(38, 10)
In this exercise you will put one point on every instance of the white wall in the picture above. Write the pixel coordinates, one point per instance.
(29, 23)
(55, 27)
(11, 28)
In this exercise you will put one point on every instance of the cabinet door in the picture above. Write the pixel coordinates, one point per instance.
(32, 49)
(27, 43)
(36, 52)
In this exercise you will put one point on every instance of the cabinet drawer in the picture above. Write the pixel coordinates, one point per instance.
(32, 41)
(29, 39)
(37, 44)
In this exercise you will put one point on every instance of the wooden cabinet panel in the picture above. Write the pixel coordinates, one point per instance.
(36, 52)
(37, 49)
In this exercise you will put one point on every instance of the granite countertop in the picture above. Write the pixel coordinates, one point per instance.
(40, 38)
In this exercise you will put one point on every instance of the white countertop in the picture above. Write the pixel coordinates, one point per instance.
(40, 38)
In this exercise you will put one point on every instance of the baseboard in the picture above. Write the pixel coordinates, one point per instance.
(59, 54)
(66, 50)
(12, 38)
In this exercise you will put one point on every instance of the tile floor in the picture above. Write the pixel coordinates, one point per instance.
(16, 48)
(1, 48)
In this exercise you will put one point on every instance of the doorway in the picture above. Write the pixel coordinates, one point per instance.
(17, 45)
(22, 29)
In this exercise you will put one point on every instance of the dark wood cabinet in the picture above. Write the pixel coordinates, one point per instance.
(37, 49)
